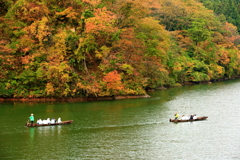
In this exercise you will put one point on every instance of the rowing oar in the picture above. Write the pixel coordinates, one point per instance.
(27, 121)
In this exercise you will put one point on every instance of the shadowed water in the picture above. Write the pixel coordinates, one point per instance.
(129, 129)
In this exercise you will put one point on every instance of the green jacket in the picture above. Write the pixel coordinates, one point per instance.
(31, 118)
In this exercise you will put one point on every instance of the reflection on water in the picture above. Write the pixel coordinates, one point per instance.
(45, 130)
(31, 132)
(129, 129)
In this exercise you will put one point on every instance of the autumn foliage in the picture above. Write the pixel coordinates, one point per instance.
(94, 48)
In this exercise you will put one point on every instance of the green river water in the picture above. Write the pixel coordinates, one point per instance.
(130, 128)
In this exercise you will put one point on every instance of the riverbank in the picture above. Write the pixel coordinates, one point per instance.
(79, 99)
(69, 99)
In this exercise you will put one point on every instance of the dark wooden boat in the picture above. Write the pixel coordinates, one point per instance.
(38, 125)
(190, 120)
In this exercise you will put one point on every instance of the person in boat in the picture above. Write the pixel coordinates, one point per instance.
(194, 116)
(59, 120)
(53, 121)
(45, 121)
(48, 121)
(191, 117)
(31, 118)
(184, 117)
(39, 121)
(176, 116)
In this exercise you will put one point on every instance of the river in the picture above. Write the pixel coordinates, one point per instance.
(130, 128)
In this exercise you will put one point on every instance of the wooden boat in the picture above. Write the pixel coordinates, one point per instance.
(38, 125)
(189, 120)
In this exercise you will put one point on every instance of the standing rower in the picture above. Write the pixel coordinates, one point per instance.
(31, 118)
(176, 116)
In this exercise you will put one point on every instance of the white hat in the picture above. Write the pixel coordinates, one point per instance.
(31, 114)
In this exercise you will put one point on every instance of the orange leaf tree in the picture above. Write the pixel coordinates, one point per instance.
(113, 83)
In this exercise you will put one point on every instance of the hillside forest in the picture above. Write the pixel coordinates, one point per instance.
(230, 9)
(99, 48)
